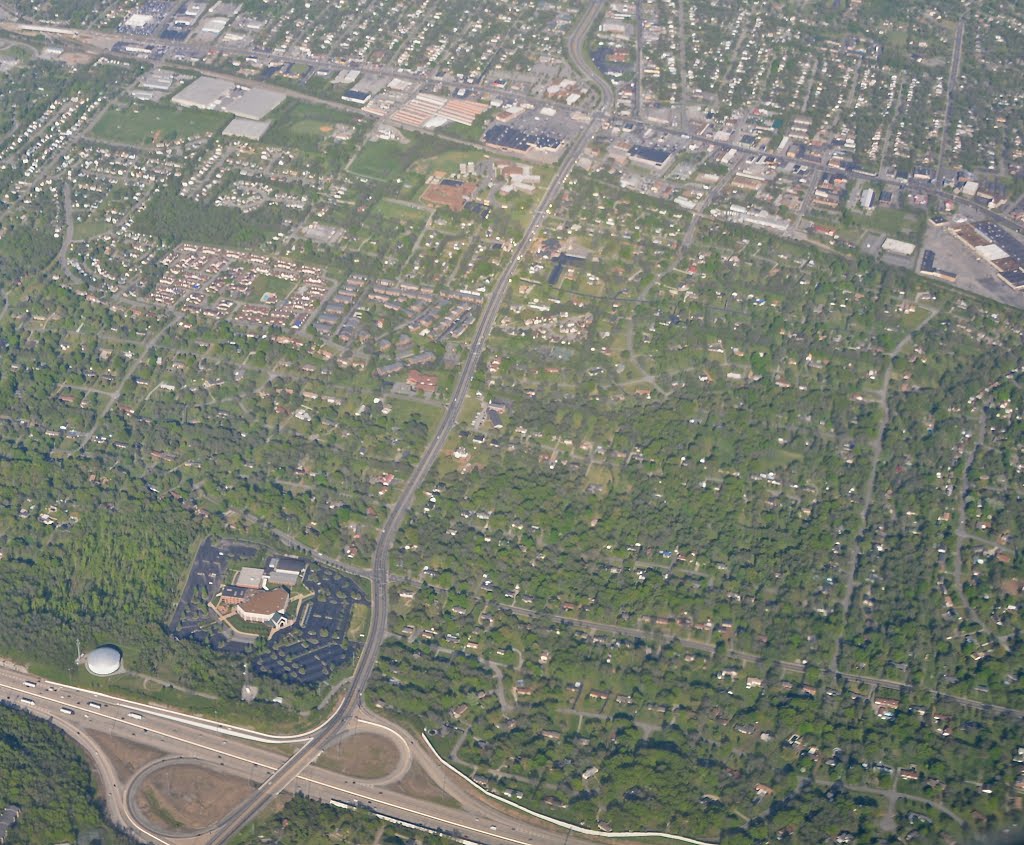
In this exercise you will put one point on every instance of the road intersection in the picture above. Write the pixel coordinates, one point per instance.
(289, 774)
(88, 717)
(262, 756)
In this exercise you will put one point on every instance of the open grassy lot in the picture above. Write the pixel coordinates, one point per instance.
(449, 161)
(363, 755)
(391, 210)
(147, 123)
(388, 159)
(305, 125)
(271, 284)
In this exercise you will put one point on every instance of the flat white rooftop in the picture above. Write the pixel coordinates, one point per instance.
(242, 127)
(204, 93)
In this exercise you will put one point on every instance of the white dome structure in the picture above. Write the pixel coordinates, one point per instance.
(105, 660)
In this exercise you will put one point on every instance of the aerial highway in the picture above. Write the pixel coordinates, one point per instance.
(951, 85)
(379, 593)
(316, 740)
(576, 46)
(91, 719)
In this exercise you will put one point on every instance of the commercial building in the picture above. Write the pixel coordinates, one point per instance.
(221, 95)
(649, 155)
(897, 247)
(283, 571)
(252, 103)
(242, 127)
(263, 605)
(232, 594)
(203, 93)
(250, 577)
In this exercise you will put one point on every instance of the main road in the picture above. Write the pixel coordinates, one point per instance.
(104, 725)
(576, 47)
(284, 776)
(315, 741)
(951, 83)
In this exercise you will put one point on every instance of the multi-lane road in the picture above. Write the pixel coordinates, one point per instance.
(951, 85)
(579, 56)
(283, 776)
(94, 719)
(234, 747)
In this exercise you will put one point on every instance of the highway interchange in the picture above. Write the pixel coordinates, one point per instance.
(89, 717)
(265, 758)
(236, 748)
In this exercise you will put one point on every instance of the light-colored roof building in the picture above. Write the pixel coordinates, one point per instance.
(253, 103)
(898, 247)
(249, 576)
(221, 95)
(204, 93)
(241, 127)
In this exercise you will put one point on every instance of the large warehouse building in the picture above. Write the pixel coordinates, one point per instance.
(222, 95)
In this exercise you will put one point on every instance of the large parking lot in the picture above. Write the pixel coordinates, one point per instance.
(308, 652)
(973, 274)
(204, 580)
(311, 650)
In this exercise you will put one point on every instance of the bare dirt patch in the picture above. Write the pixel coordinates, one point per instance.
(125, 756)
(362, 755)
(188, 797)
(73, 58)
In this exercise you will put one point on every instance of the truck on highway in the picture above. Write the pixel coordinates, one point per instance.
(28, 701)
(137, 716)
(67, 711)
(95, 705)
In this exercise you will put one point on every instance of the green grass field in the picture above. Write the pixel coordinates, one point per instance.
(271, 284)
(90, 228)
(304, 125)
(147, 123)
(448, 162)
(388, 159)
(360, 618)
(390, 210)
(897, 223)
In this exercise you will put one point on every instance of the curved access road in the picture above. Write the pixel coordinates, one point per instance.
(576, 48)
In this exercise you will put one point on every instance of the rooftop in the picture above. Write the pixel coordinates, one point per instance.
(266, 602)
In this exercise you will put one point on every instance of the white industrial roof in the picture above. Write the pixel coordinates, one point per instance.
(203, 93)
(898, 247)
(992, 252)
(253, 104)
(240, 127)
